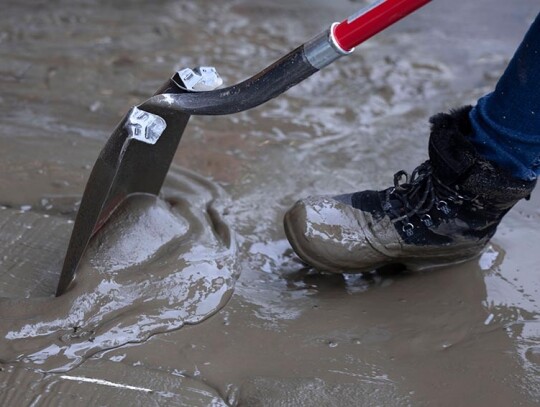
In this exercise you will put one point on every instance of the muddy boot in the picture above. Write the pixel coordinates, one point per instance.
(445, 213)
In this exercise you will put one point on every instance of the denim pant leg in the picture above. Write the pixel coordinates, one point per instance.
(506, 122)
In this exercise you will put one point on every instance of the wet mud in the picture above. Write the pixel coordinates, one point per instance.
(152, 268)
(195, 298)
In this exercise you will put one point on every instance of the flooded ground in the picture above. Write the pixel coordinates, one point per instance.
(257, 327)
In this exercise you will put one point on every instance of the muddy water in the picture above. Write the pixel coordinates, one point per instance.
(467, 335)
(155, 267)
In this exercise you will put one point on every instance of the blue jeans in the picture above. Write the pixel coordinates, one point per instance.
(506, 122)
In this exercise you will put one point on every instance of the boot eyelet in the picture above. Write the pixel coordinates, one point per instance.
(387, 206)
(426, 220)
(443, 207)
(408, 229)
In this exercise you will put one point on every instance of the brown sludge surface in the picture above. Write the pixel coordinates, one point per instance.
(467, 335)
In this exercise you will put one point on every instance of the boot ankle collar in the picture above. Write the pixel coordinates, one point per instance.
(451, 153)
(456, 162)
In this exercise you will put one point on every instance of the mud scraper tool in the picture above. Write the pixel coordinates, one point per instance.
(137, 156)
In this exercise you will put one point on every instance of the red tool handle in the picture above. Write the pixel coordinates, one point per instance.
(373, 19)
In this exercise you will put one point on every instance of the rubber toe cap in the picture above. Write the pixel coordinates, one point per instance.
(329, 235)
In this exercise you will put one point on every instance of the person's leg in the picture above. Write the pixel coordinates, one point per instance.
(482, 161)
(506, 122)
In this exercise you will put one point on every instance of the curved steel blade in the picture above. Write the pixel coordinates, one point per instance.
(135, 159)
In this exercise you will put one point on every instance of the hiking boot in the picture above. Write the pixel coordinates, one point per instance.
(445, 213)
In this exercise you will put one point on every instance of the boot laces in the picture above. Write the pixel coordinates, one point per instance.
(419, 194)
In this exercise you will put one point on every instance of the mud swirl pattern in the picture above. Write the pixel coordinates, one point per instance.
(155, 266)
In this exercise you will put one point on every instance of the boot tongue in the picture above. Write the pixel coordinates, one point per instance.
(451, 153)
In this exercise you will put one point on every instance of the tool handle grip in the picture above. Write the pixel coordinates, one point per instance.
(372, 19)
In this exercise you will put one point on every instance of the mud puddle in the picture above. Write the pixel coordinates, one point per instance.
(154, 267)
(466, 335)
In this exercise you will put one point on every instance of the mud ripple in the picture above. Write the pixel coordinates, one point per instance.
(156, 265)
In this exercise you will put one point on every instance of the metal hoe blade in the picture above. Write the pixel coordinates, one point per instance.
(135, 159)
(137, 156)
